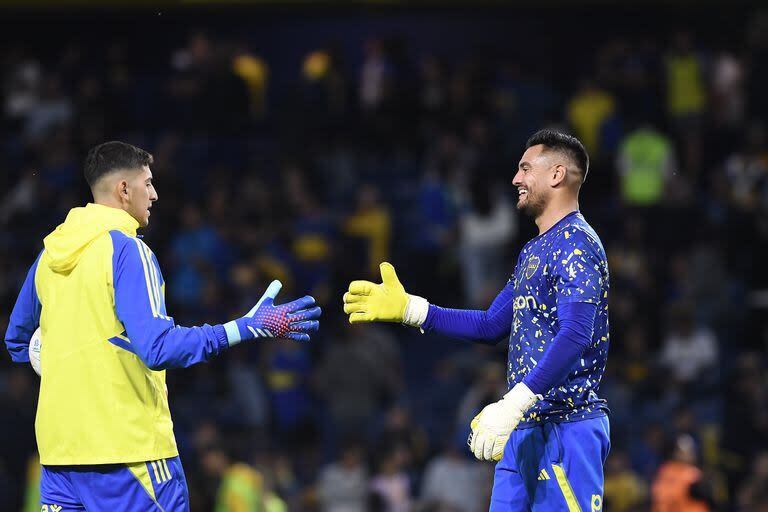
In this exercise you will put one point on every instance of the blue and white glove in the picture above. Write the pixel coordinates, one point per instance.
(294, 320)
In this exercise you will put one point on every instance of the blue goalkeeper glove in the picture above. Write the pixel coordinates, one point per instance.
(294, 320)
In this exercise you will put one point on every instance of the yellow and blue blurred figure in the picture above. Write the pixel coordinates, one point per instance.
(103, 426)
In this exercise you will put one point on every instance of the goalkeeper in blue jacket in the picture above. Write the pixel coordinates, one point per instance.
(103, 427)
(550, 431)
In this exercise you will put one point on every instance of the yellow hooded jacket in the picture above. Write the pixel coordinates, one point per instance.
(97, 293)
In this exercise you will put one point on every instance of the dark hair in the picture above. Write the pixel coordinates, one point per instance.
(568, 144)
(112, 156)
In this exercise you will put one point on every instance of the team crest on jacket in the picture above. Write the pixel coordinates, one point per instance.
(533, 265)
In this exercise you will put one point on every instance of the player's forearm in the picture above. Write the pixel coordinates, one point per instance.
(172, 346)
(140, 306)
(485, 327)
(468, 324)
(24, 319)
(20, 329)
(576, 326)
(17, 343)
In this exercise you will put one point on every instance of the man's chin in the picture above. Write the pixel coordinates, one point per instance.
(523, 206)
(526, 208)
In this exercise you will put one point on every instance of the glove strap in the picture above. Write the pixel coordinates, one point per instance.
(416, 311)
(521, 397)
(233, 333)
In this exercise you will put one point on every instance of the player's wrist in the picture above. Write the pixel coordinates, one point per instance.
(520, 398)
(222, 339)
(416, 309)
(237, 331)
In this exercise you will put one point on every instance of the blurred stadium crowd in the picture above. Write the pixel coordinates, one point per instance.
(386, 150)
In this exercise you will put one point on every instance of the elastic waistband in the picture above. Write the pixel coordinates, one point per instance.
(561, 419)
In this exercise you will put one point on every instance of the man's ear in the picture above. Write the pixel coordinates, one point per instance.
(559, 174)
(122, 189)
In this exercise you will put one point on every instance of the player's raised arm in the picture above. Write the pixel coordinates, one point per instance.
(24, 319)
(161, 344)
(389, 302)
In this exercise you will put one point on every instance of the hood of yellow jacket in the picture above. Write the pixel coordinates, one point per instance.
(65, 245)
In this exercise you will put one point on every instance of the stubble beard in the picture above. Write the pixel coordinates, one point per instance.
(533, 206)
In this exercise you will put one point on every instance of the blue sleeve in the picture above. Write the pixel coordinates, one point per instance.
(486, 327)
(140, 305)
(25, 318)
(577, 320)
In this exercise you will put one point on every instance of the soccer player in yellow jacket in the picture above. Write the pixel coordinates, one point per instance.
(103, 427)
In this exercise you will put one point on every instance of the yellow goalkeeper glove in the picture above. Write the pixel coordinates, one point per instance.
(386, 302)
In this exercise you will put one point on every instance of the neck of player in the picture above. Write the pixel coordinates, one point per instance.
(554, 212)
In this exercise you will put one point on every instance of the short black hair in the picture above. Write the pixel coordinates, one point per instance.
(570, 145)
(112, 156)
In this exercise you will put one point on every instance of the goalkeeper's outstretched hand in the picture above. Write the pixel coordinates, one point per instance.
(386, 302)
(293, 320)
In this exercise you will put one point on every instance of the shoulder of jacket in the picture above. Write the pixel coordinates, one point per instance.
(121, 240)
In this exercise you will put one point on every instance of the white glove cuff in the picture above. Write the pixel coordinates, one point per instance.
(521, 397)
(416, 311)
(233, 333)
